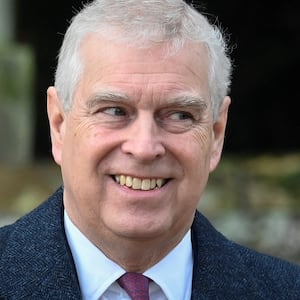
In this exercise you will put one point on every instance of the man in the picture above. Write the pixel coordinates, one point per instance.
(137, 119)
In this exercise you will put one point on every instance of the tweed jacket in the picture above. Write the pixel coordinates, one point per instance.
(36, 262)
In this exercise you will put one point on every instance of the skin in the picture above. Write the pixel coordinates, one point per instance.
(130, 116)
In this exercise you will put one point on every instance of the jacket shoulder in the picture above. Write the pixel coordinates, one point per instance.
(33, 226)
(228, 270)
(35, 260)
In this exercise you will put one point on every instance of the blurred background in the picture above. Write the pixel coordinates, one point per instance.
(254, 195)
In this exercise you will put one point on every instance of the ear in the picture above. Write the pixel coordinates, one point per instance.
(219, 127)
(56, 116)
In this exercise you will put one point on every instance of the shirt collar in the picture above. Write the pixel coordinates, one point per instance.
(174, 272)
(96, 273)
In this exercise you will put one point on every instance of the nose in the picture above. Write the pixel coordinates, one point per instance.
(143, 139)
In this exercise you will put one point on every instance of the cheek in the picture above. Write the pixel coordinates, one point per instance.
(201, 137)
(198, 146)
(196, 159)
(77, 151)
(82, 138)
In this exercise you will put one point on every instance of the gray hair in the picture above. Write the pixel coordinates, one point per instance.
(143, 23)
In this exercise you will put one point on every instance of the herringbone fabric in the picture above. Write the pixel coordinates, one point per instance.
(136, 285)
(36, 262)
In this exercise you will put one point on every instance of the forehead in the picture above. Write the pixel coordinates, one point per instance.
(110, 63)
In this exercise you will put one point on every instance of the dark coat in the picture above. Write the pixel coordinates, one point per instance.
(36, 262)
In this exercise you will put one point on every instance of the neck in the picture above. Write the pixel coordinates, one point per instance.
(138, 255)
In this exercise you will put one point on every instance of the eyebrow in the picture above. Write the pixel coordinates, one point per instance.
(178, 101)
(188, 101)
(105, 96)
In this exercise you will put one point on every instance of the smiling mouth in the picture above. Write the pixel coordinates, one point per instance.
(143, 184)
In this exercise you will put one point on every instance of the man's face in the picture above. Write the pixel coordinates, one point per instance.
(138, 144)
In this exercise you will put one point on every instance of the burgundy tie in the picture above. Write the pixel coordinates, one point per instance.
(136, 285)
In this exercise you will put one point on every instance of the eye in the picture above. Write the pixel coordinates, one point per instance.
(115, 111)
(181, 116)
(176, 121)
(113, 117)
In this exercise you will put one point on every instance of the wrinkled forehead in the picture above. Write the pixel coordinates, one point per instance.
(111, 67)
(96, 50)
(101, 56)
(167, 47)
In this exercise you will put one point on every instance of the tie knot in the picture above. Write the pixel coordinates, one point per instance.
(136, 285)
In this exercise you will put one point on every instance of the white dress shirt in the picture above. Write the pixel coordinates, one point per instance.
(97, 274)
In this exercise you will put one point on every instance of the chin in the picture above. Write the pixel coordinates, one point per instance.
(144, 230)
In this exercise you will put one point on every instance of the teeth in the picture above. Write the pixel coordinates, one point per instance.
(146, 185)
(128, 181)
(159, 182)
(153, 184)
(138, 183)
(122, 180)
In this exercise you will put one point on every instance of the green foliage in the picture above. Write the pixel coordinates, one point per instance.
(16, 72)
